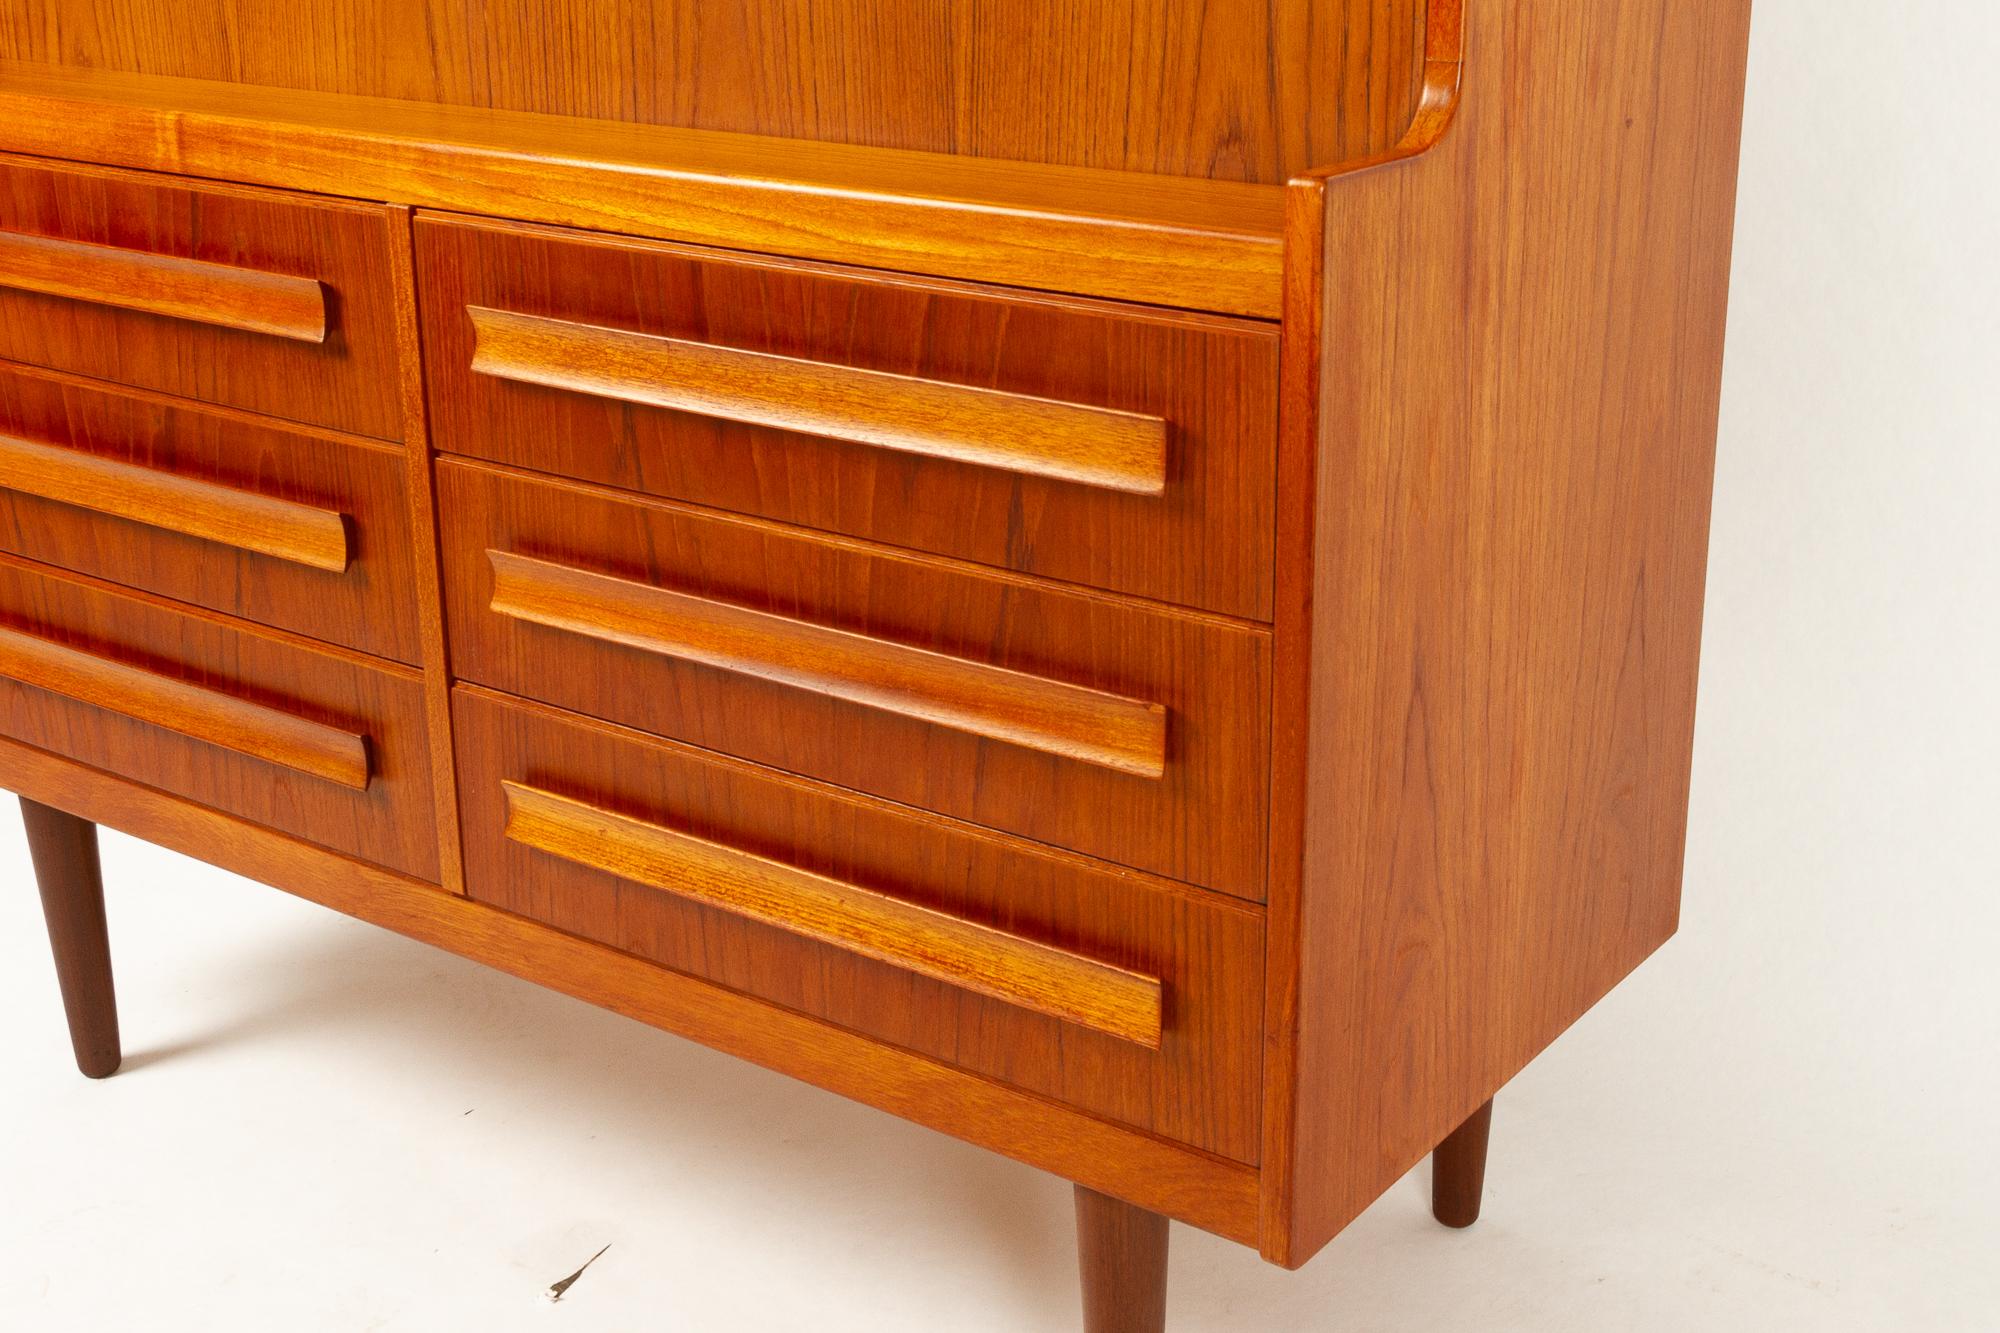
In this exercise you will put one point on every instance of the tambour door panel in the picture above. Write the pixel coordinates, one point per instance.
(286, 527)
(1113, 446)
(261, 300)
(310, 742)
(1085, 721)
(1197, 1082)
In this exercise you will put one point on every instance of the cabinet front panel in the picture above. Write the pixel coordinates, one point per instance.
(313, 744)
(674, 831)
(284, 527)
(254, 299)
(1087, 722)
(1104, 445)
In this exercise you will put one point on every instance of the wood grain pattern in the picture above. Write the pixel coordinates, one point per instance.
(1203, 1190)
(230, 298)
(209, 716)
(71, 880)
(1205, 540)
(1089, 446)
(343, 381)
(1199, 244)
(1502, 465)
(290, 527)
(1238, 89)
(316, 538)
(876, 925)
(1090, 726)
(1200, 819)
(1122, 1258)
(276, 718)
(1199, 1086)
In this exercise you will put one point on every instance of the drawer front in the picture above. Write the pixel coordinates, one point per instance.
(284, 527)
(1119, 448)
(1083, 721)
(1115, 993)
(311, 743)
(259, 300)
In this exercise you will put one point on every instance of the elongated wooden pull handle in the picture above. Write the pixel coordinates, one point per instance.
(1053, 716)
(1093, 446)
(277, 304)
(245, 520)
(205, 715)
(933, 944)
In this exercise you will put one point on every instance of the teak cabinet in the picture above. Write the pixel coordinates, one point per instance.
(1122, 581)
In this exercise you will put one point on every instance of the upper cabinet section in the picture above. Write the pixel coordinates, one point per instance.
(1236, 90)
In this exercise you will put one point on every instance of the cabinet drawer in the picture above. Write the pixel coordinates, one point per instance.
(281, 526)
(311, 743)
(1112, 446)
(1116, 993)
(267, 301)
(1080, 720)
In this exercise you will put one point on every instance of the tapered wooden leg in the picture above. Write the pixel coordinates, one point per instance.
(1123, 1254)
(1458, 1171)
(64, 849)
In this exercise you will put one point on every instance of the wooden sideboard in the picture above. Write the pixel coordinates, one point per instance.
(1120, 581)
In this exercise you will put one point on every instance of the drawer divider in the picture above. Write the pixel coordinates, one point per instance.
(1014, 432)
(275, 304)
(987, 961)
(1055, 717)
(259, 524)
(201, 714)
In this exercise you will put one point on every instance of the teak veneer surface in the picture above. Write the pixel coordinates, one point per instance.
(360, 726)
(345, 380)
(350, 495)
(1200, 819)
(1199, 1087)
(1205, 540)
(1253, 90)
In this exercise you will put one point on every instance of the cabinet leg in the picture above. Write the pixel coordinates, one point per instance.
(64, 849)
(1123, 1254)
(1458, 1171)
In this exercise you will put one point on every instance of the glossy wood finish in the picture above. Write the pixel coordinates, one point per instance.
(1205, 540)
(345, 380)
(290, 527)
(876, 925)
(1087, 446)
(1199, 1087)
(1122, 1256)
(1033, 712)
(244, 520)
(229, 298)
(1194, 1187)
(261, 725)
(209, 716)
(1458, 1171)
(64, 851)
(1242, 89)
(1201, 244)
(1200, 820)
(1502, 464)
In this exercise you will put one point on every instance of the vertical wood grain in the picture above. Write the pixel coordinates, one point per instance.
(1520, 340)
(1122, 1257)
(64, 851)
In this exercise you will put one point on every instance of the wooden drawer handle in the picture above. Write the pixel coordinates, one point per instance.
(1127, 735)
(932, 944)
(242, 519)
(192, 289)
(201, 714)
(1093, 446)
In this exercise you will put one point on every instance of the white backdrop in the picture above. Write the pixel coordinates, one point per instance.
(1783, 1122)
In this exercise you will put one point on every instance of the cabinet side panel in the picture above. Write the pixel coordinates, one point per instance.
(1522, 343)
